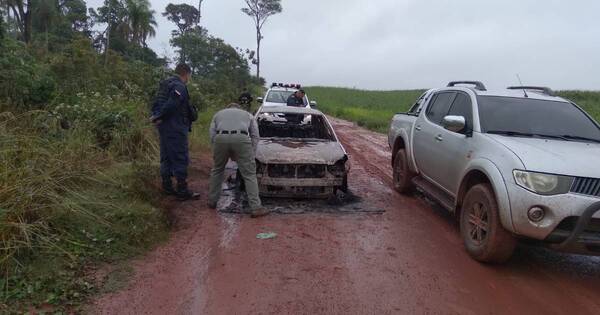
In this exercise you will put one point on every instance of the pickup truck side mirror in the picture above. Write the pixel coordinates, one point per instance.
(313, 104)
(454, 123)
(259, 99)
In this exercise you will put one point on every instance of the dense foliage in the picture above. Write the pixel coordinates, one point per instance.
(78, 158)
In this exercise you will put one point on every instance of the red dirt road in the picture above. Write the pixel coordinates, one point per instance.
(409, 260)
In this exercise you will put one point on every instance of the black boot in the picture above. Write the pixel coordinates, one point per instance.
(183, 193)
(167, 186)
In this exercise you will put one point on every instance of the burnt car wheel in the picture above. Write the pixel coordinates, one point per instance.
(402, 174)
(485, 238)
(344, 187)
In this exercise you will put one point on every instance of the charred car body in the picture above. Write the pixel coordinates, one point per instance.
(299, 154)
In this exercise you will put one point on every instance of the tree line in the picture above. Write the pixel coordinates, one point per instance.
(124, 26)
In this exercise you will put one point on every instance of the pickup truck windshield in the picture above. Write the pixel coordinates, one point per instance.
(531, 117)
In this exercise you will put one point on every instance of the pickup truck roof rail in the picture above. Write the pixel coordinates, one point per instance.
(478, 85)
(543, 89)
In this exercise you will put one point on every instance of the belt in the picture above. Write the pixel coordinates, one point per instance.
(231, 132)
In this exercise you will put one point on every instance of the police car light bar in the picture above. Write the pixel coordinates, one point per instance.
(294, 86)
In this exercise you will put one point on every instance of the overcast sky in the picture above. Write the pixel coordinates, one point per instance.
(401, 44)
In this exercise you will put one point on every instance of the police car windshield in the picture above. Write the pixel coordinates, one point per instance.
(279, 96)
(533, 117)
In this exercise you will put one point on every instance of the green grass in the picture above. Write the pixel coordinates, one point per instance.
(369, 109)
(588, 100)
(69, 200)
(375, 109)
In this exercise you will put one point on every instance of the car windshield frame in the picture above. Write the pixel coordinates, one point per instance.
(508, 116)
(306, 121)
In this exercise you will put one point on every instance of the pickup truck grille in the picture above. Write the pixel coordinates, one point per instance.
(586, 186)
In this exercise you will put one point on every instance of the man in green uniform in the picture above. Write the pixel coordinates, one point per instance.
(234, 135)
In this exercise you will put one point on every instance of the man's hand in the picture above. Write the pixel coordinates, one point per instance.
(155, 120)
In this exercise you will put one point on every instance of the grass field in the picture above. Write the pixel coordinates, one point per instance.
(374, 109)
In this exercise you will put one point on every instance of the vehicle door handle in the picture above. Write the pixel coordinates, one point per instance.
(439, 138)
(418, 128)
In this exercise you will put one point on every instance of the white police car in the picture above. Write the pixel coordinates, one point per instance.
(278, 94)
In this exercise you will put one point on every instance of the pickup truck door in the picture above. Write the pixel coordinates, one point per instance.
(426, 136)
(452, 149)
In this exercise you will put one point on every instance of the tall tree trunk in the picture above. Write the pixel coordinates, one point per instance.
(258, 39)
(27, 23)
(107, 45)
(199, 11)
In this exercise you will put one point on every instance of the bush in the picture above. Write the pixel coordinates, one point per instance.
(65, 200)
(26, 83)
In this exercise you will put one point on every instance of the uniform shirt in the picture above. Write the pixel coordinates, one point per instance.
(294, 101)
(234, 119)
(175, 112)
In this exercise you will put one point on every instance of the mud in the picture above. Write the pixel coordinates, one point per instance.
(406, 260)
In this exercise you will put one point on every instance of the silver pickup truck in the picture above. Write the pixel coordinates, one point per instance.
(512, 164)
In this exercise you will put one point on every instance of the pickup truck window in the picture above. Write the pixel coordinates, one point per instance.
(532, 117)
(416, 108)
(462, 107)
(440, 106)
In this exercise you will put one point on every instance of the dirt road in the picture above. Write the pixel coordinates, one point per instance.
(408, 260)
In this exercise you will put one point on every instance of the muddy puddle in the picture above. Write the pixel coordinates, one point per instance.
(234, 200)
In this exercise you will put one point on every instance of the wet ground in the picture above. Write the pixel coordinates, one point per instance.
(403, 257)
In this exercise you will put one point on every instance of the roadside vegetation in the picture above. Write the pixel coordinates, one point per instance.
(375, 109)
(78, 158)
(369, 109)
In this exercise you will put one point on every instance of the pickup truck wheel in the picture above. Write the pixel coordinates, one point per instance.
(485, 238)
(402, 174)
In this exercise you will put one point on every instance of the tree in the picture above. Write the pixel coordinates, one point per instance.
(2, 26)
(140, 21)
(22, 14)
(112, 13)
(260, 11)
(199, 11)
(46, 14)
(217, 65)
(74, 13)
(185, 16)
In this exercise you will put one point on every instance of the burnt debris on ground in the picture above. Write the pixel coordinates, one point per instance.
(233, 200)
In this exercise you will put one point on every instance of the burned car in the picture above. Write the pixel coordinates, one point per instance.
(299, 154)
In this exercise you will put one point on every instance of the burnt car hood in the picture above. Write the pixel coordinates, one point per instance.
(291, 151)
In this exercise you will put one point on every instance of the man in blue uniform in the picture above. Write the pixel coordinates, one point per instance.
(173, 115)
(296, 99)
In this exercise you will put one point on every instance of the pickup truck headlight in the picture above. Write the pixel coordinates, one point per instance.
(543, 184)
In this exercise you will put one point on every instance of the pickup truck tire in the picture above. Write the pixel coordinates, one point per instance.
(402, 174)
(485, 238)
